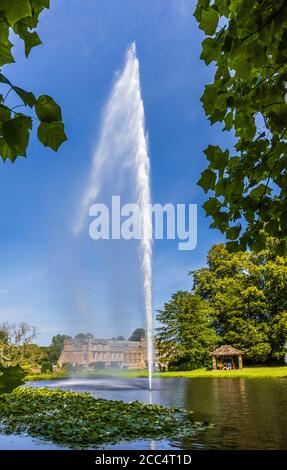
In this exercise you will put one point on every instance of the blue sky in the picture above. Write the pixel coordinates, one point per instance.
(46, 278)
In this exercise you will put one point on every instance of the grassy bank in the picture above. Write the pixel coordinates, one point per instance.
(134, 373)
(247, 372)
(48, 376)
(78, 420)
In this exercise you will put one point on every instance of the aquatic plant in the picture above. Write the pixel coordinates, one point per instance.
(79, 420)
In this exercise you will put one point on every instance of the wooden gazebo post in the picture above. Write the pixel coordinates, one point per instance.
(240, 362)
(214, 364)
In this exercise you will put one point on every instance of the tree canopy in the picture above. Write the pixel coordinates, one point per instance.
(84, 336)
(238, 299)
(246, 292)
(17, 348)
(185, 336)
(247, 42)
(120, 338)
(56, 347)
(21, 17)
(137, 334)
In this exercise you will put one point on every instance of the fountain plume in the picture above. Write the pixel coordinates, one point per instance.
(123, 143)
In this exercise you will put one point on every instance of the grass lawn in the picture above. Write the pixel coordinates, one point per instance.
(247, 372)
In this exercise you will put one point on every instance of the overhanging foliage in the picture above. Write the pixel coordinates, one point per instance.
(21, 17)
(247, 42)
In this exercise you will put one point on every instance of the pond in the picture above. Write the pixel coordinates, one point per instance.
(245, 413)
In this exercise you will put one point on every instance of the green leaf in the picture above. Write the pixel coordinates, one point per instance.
(47, 110)
(233, 232)
(209, 20)
(15, 137)
(7, 152)
(211, 206)
(26, 96)
(220, 220)
(259, 191)
(201, 5)
(14, 10)
(3, 79)
(217, 157)
(5, 54)
(4, 113)
(209, 50)
(228, 121)
(40, 4)
(232, 246)
(52, 134)
(207, 180)
(31, 39)
(243, 68)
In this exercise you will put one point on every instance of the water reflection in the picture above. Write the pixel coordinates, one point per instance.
(246, 413)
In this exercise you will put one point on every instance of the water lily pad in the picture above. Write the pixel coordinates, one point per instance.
(79, 420)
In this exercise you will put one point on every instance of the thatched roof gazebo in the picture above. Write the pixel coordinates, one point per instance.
(227, 352)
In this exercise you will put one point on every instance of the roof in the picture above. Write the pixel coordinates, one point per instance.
(226, 350)
(109, 343)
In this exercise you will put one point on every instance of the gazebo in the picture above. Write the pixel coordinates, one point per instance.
(227, 352)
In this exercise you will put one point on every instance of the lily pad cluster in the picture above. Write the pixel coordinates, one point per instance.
(79, 420)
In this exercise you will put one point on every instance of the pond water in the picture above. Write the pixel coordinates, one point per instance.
(245, 413)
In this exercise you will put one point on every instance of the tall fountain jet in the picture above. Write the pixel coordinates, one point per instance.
(123, 144)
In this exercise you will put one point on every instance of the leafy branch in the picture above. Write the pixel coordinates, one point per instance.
(21, 17)
(249, 184)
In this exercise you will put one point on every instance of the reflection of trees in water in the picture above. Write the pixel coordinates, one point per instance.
(245, 413)
(10, 378)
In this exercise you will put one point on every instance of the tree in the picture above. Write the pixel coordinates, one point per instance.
(46, 366)
(16, 345)
(56, 347)
(84, 336)
(137, 334)
(186, 336)
(120, 338)
(20, 17)
(247, 294)
(247, 41)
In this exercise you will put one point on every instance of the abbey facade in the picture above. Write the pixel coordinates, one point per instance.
(104, 353)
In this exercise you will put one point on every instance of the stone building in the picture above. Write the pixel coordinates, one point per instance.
(104, 353)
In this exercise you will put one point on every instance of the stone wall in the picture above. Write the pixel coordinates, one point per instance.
(93, 352)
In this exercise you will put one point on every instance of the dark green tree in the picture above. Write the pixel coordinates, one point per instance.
(246, 40)
(21, 17)
(185, 336)
(137, 334)
(247, 294)
(120, 338)
(56, 347)
(84, 336)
